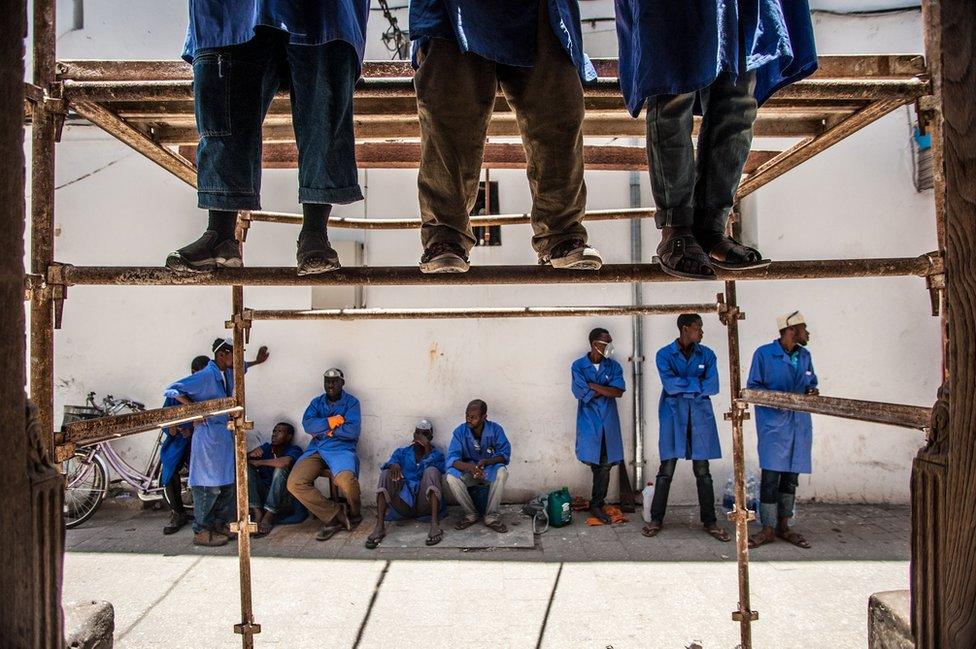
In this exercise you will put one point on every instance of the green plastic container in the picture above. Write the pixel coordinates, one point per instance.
(560, 513)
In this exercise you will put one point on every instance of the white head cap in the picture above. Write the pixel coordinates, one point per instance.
(789, 320)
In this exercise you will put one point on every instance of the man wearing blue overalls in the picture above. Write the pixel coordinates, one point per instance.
(689, 379)
(721, 60)
(597, 383)
(463, 51)
(785, 436)
(243, 52)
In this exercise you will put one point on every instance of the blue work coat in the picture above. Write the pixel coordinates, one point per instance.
(785, 436)
(687, 387)
(212, 444)
(597, 421)
(219, 23)
(413, 471)
(266, 473)
(670, 48)
(503, 31)
(175, 448)
(465, 448)
(339, 449)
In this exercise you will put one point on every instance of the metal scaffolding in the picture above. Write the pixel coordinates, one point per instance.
(148, 106)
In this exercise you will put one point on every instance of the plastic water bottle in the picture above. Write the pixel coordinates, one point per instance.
(728, 495)
(752, 492)
(647, 496)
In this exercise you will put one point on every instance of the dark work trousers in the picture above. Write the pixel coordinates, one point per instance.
(777, 496)
(232, 90)
(455, 99)
(174, 489)
(601, 477)
(703, 479)
(699, 193)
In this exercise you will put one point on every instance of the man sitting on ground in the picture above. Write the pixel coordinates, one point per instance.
(478, 457)
(268, 467)
(333, 420)
(410, 485)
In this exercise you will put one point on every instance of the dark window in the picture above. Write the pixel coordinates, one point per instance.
(490, 235)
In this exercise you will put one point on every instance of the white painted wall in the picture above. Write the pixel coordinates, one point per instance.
(872, 339)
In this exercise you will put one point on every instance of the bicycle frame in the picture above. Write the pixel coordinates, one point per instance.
(141, 481)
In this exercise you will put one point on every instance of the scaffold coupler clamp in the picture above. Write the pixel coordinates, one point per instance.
(249, 627)
(244, 320)
(56, 289)
(243, 225)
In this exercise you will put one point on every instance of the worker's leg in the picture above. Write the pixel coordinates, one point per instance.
(495, 493)
(348, 485)
(459, 489)
(662, 488)
(301, 484)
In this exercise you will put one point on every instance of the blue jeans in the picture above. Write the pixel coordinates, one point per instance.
(699, 193)
(233, 88)
(212, 507)
(271, 497)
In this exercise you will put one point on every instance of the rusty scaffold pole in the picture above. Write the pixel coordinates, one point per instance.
(741, 515)
(47, 116)
(240, 425)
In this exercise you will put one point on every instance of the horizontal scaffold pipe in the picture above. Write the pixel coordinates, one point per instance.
(383, 87)
(91, 431)
(478, 313)
(893, 414)
(411, 276)
(476, 221)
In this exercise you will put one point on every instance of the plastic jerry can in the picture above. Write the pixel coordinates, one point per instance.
(558, 508)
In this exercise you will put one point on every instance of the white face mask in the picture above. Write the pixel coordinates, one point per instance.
(607, 350)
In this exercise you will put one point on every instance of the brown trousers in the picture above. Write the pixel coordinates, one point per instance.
(301, 484)
(455, 98)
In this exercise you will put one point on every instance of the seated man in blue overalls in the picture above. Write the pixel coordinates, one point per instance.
(268, 467)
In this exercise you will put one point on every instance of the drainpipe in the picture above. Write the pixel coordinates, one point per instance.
(637, 327)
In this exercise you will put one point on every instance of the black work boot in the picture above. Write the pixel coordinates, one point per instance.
(205, 254)
(315, 255)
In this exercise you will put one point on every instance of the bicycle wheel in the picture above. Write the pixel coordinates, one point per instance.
(85, 486)
(185, 492)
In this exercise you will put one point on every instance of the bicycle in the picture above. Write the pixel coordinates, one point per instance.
(87, 471)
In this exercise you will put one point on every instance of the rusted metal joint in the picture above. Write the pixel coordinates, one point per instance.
(59, 293)
(248, 628)
(927, 111)
(244, 320)
(738, 616)
(745, 514)
(235, 527)
(33, 93)
(243, 225)
(727, 313)
(936, 285)
(32, 283)
(63, 452)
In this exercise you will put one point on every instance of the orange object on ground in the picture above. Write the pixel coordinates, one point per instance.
(579, 504)
(616, 516)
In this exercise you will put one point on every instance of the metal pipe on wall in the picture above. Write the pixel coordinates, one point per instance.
(637, 330)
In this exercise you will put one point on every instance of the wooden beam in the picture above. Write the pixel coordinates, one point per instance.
(893, 414)
(957, 626)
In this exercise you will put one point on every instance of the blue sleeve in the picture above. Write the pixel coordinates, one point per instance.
(455, 449)
(709, 383)
(617, 377)
(581, 387)
(503, 447)
(349, 430)
(312, 421)
(294, 452)
(193, 387)
(436, 460)
(394, 459)
(814, 381)
(672, 383)
(756, 380)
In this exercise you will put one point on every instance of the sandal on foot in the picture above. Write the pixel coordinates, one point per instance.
(738, 256)
(681, 256)
(718, 533)
(465, 523)
(372, 542)
(434, 539)
(759, 539)
(327, 532)
(498, 526)
(652, 529)
(795, 539)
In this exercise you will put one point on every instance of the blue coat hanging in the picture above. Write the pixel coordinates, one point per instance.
(670, 48)
(338, 449)
(785, 436)
(597, 421)
(503, 31)
(687, 387)
(212, 444)
(465, 448)
(220, 23)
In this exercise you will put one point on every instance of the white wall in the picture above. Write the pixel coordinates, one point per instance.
(872, 339)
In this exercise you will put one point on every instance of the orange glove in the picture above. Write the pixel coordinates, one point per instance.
(334, 422)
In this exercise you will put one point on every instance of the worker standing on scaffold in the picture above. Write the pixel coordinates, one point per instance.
(785, 436)
(243, 52)
(720, 60)
(463, 51)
